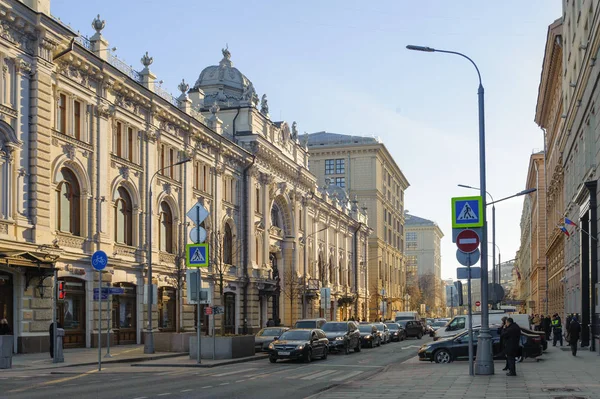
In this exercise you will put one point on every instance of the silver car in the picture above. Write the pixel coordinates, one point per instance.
(267, 335)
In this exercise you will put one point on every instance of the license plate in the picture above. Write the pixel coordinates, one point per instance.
(283, 353)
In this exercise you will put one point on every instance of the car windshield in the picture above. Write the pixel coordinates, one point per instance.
(379, 327)
(295, 336)
(330, 327)
(398, 318)
(269, 332)
(393, 326)
(402, 323)
(306, 324)
(439, 324)
(365, 328)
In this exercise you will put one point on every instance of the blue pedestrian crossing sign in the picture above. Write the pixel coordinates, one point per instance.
(196, 255)
(467, 212)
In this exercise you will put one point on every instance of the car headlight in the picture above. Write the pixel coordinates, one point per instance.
(271, 346)
(368, 337)
(396, 333)
(300, 347)
(339, 338)
(426, 347)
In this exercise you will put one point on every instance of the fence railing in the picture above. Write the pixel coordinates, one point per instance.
(166, 95)
(84, 41)
(123, 67)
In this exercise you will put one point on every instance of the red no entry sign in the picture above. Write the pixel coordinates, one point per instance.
(477, 303)
(467, 241)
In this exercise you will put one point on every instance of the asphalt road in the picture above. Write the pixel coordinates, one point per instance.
(258, 379)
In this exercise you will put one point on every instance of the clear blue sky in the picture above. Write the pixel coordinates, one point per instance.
(341, 66)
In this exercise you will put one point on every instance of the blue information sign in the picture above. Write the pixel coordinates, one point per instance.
(196, 255)
(99, 260)
(467, 212)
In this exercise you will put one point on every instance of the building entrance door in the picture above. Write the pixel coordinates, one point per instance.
(229, 319)
(71, 312)
(6, 299)
(124, 315)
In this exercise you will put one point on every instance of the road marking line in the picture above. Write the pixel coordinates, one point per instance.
(164, 394)
(141, 397)
(239, 381)
(346, 376)
(186, 390)
(319, 374)
(53, 382)
(206, 387)
(348, 365)
(224, 383)
(233, 372)
(301, 375)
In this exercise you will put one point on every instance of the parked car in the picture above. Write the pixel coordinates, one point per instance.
(369, 335)
(306, 344)
(343, 336)
(397, 333)
(267, 335)
(540, 333)
(438, 324)
(385, 332)
(413, 328)
(457, 347)
(310, 323)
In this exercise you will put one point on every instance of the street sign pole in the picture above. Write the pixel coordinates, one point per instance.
(100, 321)
(199, 323)
(108, 326)
(471, 372)
(54, 316)
(214, 336)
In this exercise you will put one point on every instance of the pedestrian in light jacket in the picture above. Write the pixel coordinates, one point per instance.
(511, 336)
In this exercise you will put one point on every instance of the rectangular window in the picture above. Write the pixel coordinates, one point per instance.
(205, 178)
(196, 178)
(61, 117)
(171, 162)
(77, 120)
(300, 219)
(130, 144)
(162, 158)
(411, 245)
(340, 167)
(118, 141)
(411, 236)
(340, 182)
(258, 200)
(329, 166)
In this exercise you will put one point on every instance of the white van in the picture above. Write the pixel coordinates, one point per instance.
(459, 323)
(404, 316)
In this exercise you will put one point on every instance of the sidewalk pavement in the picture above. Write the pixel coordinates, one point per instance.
(558, 376)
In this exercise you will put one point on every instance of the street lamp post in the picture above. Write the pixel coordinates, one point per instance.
(149, 339)
(485, 360)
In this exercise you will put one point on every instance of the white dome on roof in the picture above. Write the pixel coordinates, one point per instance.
(225, 84)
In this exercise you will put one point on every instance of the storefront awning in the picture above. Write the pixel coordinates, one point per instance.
(40, 265)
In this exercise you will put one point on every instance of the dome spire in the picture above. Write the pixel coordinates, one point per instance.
(226, 56)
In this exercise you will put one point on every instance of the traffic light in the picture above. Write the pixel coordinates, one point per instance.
(61, 290)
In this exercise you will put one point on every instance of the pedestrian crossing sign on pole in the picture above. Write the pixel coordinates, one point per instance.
(196, 255)
(466, 212)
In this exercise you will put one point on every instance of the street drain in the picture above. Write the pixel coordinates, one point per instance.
(561, 389)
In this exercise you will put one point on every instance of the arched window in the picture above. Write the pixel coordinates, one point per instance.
(123, 218)
(166, 228)
(275, 220)
(68, 203)
(227, 246)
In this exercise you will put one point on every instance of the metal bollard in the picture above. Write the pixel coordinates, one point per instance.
(58, 344)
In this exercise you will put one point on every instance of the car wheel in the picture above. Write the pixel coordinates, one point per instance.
(325, 353)
(442, 356)
(358, 348)
(347, 348)
(419, 335)
(273, 359)
(308, 357)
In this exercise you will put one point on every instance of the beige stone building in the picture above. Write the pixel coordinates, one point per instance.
(548, 116)
(368, 172)
(422, 251)
(86, 139)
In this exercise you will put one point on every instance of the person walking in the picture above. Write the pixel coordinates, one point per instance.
(511, 335)
(500, 330)
(547, 327)
(556, 330)
(536, 323)
(4, 327)
(573, 336)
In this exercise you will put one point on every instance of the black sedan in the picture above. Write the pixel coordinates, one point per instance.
(397, 333)
(306, 344)
(343, 336)
(369, 335)
(457, 347)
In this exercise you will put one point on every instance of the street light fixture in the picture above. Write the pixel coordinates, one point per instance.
(493, 204)
(485, 360)
(149, 340)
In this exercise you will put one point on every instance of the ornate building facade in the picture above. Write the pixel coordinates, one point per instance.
(89, 143)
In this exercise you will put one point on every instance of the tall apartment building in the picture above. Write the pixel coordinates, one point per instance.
(370, 175)
(536, 179)
(548, 116)
(423, 254)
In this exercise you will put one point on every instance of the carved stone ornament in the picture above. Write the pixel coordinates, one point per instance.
(151, 136)
(294, 130)
(104, 110)
(69, 150)
(167, 188)
(147, 60)
(98, 24)
(124, 171)
(25, 68)
(215, 108)
(183, 87)
(264, 105)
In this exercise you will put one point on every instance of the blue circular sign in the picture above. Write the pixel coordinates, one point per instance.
(99, 260)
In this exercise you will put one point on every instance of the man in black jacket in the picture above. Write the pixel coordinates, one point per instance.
(574, 331)
(510, 336)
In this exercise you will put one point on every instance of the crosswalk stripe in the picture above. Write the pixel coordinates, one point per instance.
(347, 375)
(297, 376)
(318, 375)
(233, 372)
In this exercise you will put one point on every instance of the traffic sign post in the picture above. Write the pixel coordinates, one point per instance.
(467, 241)
(467, 212)
(196, 255)
(99, 262)
(477, 303)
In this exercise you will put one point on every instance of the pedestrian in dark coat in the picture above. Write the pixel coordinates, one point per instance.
(511, 336)
(547, 327)
(502, 340)
(574, 332)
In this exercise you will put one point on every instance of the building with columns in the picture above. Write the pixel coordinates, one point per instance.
(97, 156)
(365, 168)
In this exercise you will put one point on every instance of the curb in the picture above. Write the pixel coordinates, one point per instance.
(113, 361)
(201, 365)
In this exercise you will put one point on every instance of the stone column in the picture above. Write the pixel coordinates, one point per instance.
(265, 180)
(251, 196)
